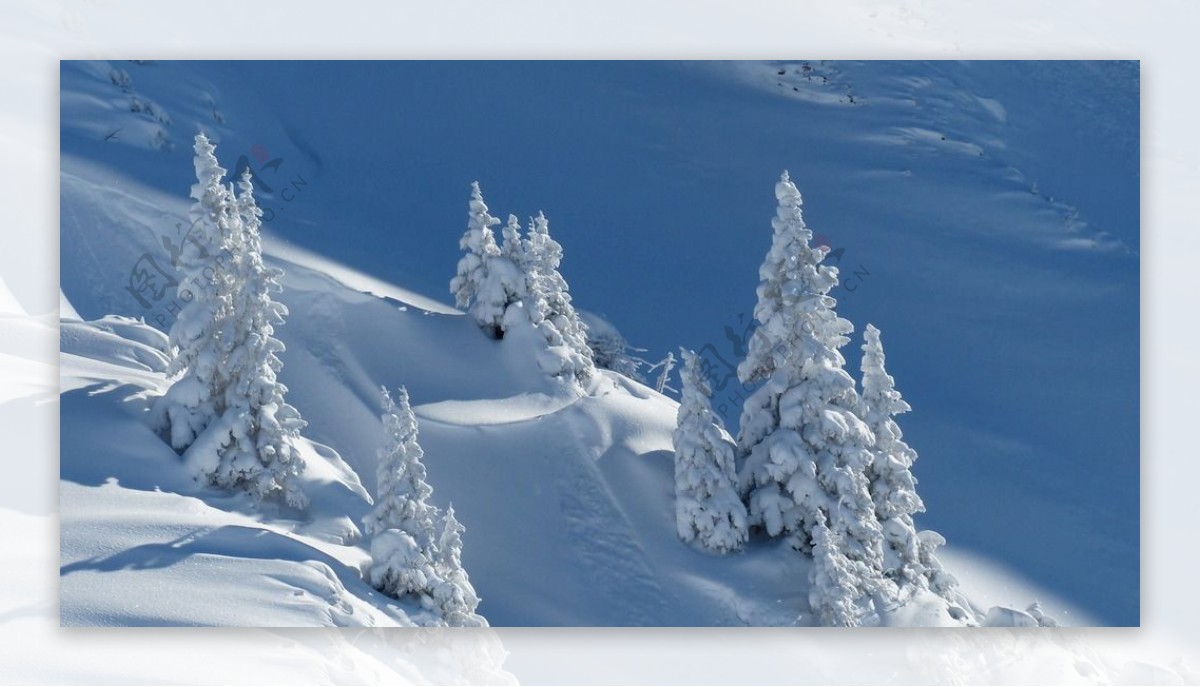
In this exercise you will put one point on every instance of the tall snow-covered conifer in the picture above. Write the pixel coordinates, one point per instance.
(196, 398)
(226, 413)
(805, 449)
(251, 446)
(707, 507)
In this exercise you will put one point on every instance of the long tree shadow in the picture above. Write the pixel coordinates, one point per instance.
(230, 540)
(235, 541)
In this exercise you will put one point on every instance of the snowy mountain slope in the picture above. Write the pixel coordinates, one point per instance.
(131, 510)
(567, 500)
(340, 199)
(574, 491)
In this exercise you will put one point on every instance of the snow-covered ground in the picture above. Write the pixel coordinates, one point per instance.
(930, 178)
(568, 501)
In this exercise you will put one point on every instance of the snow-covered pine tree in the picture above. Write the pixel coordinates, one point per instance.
(549, 303)
(196, 398)
(805, 449)
(401, 568)
(252, 445)
(488, 282)
(401, 491)
(893, 487)
(505, 286)
(836, 582)
(401, 525)
(707, 507)
(408, 555)
(225, 413)
(455, 596)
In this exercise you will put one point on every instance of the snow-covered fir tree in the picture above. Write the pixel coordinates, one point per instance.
(196, 397)
(226, 412)
(478, 285)
(708, 509)
(254, 440)
(409, 555)
(401, 524)
(455, 596)
(549, 304)
(505, 286)
(836, 593)
(401, 490)
(805, 450)
(401, 567)
(909, 556)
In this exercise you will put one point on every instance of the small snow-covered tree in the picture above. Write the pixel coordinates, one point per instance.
(401, 525)
(400, 567)
(835, 593)
(475, 285)
(707, 507)
(409, 557)
(909, 556)
(504, 287)
(549, 304)
(401, 490)
(805, 449)
(196, 397)
(455, 596)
